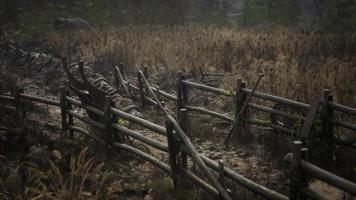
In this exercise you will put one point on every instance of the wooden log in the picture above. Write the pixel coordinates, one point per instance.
(274, 111)
(7, 98)
(163, 166)
(290, 132)
(312, 194)
(63, 109)
(147, 140)
(122, 70)
(86, 120)
(120, 80)
(208, 88)
(39, 99)
(118, 113)
(201, 183)
(242, 114)
(165, 94)
(328, 177)
(186, 141)
(344, 124)
(277, 99)
(327, 115)
(209, 112)
(221, 174)
(12, 108)
(145, 123)
(173, 156)
(245, 182)
(308, 122)
(85, 133)
(144, 156)
(296, 173)
(343, 108)
(141, 89)
(69, 106)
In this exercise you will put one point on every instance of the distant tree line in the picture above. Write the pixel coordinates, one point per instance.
(323, 15)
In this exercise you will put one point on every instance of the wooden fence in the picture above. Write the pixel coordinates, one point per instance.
(179, 147)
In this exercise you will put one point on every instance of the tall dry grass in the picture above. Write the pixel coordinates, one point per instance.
(296, 64)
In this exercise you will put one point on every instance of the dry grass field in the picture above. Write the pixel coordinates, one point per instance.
(296, 64)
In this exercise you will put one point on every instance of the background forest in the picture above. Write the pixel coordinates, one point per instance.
(32, 16)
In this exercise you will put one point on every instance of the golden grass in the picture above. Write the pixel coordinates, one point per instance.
(84, 179)
(296, 64)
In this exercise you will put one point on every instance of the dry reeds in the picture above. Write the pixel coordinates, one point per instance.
(296, 64)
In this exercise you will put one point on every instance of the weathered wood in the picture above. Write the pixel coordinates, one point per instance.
(86, 120)
(120, 80)
(173, 156)
(39, 99)
(242, 111)
(295, 172)
(165, 94)
(277, 99)
(85, 133)
(118, 113)
(141, 89)
(343, 108)
(122, 70)
(344, 124)
(312, 194)
(7, 98)
(327, 114)
(274, 126)
(221, 174)
(274, 111)
(328, 177)
(245, 182)
(182, 115)
(12, 108)
(147, 140)
(166, 167)
(201, 183)
(209, 112)
(69, 106)
(144, 156)
(63, 108)
(145, 123)
(208, 88)
(186, 141)
(308, 122)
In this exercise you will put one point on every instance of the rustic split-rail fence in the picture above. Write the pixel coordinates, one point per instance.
(179, 146)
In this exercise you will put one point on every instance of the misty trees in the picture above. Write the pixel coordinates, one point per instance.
(327, 15)
(283, 12)
(335, 15)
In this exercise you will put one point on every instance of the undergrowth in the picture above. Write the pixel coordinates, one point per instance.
(296, 64)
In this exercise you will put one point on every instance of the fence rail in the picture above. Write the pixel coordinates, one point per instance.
(173, 148)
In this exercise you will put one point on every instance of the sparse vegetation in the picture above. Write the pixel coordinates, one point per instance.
(296, 64)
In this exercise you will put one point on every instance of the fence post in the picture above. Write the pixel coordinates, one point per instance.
(240, 100)
(297, 176)
(221, 175)
(116, 79)
(63, 109)
(69, 106)
(145, 73)
(327, 116)
(108, 120)
(121, 67)
(141, 90)
(182, 100)
(173, 150)
(19, 113)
